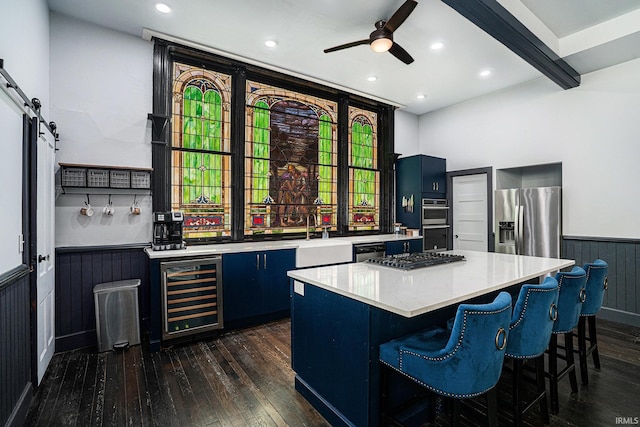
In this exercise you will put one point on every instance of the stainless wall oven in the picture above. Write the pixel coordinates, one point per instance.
(435, 224)
(435, 212)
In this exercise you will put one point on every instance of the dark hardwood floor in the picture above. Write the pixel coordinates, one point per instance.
(244, 378)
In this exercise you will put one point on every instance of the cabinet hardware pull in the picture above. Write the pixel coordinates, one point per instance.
(264, 261)
(257, 261)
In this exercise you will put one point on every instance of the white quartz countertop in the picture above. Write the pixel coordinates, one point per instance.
(415, 292)
(229, 248)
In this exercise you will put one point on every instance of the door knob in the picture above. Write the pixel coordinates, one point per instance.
(43, 257)
(456, 236)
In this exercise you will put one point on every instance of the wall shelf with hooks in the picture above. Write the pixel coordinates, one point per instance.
(99, 179)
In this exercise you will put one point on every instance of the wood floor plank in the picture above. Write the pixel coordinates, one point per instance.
(68, 403)
(133, 393)
(239, 388)
(88, 399)
(114, 392)
(221, 386)
(265, 364)
(55, 384)
(47, 389)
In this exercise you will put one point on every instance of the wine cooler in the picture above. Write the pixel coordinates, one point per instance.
(192, 296)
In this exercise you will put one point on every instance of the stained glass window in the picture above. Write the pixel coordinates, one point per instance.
(364, 175)
(200, 176)
(290, 152)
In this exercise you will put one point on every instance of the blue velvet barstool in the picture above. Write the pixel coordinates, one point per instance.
(533, 317)
(596, 285)
(460, 363)
(570, 298)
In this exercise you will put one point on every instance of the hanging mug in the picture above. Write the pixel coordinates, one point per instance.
(135, 209)
(86, 210)
(109, 210)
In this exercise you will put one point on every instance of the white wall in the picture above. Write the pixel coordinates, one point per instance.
(24, 47)
(406, 136)
(101, 93)
(594, 130)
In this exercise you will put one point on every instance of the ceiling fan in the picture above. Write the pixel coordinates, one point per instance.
(381, 39)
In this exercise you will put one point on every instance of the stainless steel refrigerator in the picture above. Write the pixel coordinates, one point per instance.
(529, 221)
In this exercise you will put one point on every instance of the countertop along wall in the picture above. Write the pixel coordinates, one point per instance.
(101, 93)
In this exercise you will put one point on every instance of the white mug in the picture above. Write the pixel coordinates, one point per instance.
(86, 210)
(109, 210)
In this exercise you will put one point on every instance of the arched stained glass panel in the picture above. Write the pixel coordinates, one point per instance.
(290, 161)
(201, 158)
(364, 176)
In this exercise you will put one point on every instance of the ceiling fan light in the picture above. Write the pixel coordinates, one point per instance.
(381, 45)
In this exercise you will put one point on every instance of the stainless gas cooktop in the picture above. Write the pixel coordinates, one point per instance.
(417, 260)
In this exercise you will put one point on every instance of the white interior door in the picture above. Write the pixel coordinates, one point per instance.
(45, 257)
(469, 200)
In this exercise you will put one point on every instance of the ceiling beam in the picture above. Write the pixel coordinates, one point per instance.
(496, 21)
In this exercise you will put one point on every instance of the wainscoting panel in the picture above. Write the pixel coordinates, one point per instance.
(78, 270)
(622, 299)
(15, 346)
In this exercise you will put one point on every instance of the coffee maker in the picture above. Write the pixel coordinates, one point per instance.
(167, 231)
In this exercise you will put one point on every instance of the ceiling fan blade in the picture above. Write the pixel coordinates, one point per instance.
(400, 15)
(346, 45)
(397, 51)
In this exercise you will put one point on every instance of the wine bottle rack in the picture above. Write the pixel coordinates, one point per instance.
(192, 296)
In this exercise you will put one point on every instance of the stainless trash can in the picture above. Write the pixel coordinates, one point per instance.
(117, 324)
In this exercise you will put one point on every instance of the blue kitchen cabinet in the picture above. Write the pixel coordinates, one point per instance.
(418, 177)
(256, 287)
(403, 246)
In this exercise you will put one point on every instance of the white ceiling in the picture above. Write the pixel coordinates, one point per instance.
(589, 34)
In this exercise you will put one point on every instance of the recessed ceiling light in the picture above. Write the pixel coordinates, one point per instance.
(372, 78)
(437, 46)
(485, 73)
(421, 96)
(270, 43)
(163, 8)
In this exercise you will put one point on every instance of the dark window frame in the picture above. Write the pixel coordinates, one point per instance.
(165, 53)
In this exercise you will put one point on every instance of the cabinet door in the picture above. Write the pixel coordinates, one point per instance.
(409, 187)
(434, 175)
(415, 245)
(275, 282)
(241, 285)
(394, 248)
(403, 247)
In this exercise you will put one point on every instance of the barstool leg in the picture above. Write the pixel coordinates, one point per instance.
(568, 344)
(517, 399)
(593, 341)
(544, 408)
(492, 406)
(582, 350)
(455, 412)
(384, 390)
(553, 373)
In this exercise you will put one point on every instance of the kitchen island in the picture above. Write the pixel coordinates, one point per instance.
(341, 314)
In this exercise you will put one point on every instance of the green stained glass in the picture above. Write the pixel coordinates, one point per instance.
(261, 142)
(362, 145)
(212, 120)
(324, 159)
(202, 130)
